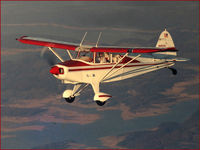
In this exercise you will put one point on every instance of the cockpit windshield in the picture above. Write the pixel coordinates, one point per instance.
(98, 57)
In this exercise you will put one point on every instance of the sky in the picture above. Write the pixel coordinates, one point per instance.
(33, 113)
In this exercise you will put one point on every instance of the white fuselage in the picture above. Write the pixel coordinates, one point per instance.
(79, 71)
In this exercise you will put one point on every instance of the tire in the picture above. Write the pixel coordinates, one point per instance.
(70, 99)
(100, 103)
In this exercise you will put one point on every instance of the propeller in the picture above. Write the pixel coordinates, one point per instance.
(48, 57)
(174, 71)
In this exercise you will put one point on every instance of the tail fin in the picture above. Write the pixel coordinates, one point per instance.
(165, 41)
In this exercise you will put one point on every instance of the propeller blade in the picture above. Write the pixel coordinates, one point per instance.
(50, 59)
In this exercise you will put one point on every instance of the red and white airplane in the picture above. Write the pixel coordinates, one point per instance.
(97, 64)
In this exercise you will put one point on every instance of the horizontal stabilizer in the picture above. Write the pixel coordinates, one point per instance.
(169, 57)
(181, 59)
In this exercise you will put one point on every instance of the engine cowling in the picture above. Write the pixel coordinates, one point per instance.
(55, 70)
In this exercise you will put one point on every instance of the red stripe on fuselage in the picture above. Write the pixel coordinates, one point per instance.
(105, 96)
(100, 68)
(76, 63)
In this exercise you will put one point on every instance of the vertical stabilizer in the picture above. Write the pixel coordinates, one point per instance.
(165, 41)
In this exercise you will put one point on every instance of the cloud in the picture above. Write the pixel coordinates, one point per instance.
(133, 93)
(54, 112)
(179, 92)
(112, 141)
(189, 30)
(57, 116)
(28, 24)
(134, 30)
(33, 103)
(7, 130)
(23, 128)
(76, 145)
(69, 116)
(8, 136)
(193, 67)
(127, 114)
(18, 51)
(153, 110)
(83, 28)
(54, 25)
(65, 144)
(76, 112)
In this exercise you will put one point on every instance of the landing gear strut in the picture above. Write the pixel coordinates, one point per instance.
(70, 99)
(69, 95)
(174, 71)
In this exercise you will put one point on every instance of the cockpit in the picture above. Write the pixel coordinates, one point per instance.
(98, 57)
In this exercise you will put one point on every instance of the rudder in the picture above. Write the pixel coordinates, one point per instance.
(165, 41)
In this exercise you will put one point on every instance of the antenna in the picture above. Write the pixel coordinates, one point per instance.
(98, 39)
(83, 39)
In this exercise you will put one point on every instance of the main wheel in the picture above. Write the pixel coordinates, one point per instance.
(100, 103)
(70, 99)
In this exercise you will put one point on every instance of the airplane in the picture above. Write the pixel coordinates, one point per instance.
(94, 65)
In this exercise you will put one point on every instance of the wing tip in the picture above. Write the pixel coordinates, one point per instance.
(21, 38)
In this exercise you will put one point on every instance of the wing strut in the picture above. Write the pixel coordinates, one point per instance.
(69, 54)
(113, 67)
(83, 39)
(94, 54)
(56, 54)
(98, 39)
(123, 65)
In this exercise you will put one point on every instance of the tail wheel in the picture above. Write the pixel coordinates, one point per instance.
(174, 71)
(70, 99)
(100, 103)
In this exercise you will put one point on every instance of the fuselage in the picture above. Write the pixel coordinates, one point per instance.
(80, 71)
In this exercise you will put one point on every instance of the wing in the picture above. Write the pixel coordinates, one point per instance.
(73, 46)
(48, 43)
(132, 50)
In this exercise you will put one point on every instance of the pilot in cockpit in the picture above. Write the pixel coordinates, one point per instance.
(104, 57)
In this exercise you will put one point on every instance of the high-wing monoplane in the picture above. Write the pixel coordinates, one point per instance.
(94, 65)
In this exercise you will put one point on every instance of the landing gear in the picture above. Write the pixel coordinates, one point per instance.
(174, 71)
(70, 99)
(100, 98)
(69, 95)
(100, 103)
